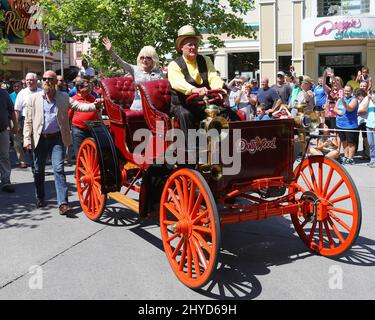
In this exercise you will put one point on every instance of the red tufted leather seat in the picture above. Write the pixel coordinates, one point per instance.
(118, 93)
(156, 102)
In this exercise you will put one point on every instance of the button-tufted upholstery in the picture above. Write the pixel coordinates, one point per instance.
(156, 102)
(120, 90)
(118, 95)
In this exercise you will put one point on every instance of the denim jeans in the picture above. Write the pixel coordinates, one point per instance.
(4, 157)
(55, 146)
(371, 142)
(78, 135)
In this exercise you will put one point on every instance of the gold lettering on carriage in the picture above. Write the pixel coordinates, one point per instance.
(257, 144)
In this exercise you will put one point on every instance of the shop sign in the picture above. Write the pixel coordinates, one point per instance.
(339, 28)
(26, 51)
(22, 21)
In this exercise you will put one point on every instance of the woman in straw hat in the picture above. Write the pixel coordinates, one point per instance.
(192, 73)
(147, 68)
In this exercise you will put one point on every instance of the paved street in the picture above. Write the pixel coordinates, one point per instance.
(122, 258)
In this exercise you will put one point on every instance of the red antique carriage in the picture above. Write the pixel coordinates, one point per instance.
(194, 202)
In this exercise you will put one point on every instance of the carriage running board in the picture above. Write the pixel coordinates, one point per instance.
(124, 200)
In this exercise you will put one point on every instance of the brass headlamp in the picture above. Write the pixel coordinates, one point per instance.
(213, 121)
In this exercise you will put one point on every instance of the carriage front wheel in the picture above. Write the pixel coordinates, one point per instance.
(88, 180)
(190, 227)
(330, 217)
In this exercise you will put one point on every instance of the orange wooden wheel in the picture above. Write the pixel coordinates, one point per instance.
(88, 180)
(190, 227)
(331, 214)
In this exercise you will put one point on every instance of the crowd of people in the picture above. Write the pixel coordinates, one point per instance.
(344, 110)
(46, 119)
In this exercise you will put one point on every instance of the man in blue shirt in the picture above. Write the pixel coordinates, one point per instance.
(268, 97)
(46, 130)
(17, 87)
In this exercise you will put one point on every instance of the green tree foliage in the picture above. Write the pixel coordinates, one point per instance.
(132, 24)
(4, 43)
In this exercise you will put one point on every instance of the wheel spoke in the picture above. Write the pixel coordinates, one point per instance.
(191, 197)
(189, 266)
(201, 256)
(185, 189)
(312, 231)
(321, 177)
(197, 206)
(86, 157)
(308, 185)
(340, 210)
(313, 179)
(195, 259)
(169, 222)
(178, 247)
(183, 255)
(96, 198)
(339, 199)
(172, 210)
(175, 201)
(338, 220)
(338, 185)
(82, 170)
(199, 238)
(85, 200)
(320, 235)
(202, 229)
(174, 236)
(335, 230)
(328, 232)
(200, 217)
(180, 197)
(92, 208)
(328, 182)
(83, 161)
(84, 188)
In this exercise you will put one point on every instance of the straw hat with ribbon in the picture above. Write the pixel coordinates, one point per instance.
(185, 32)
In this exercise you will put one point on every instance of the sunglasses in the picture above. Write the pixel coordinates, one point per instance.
(48, 79)
(145, 58)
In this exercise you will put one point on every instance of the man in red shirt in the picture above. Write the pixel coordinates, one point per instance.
(79, 129)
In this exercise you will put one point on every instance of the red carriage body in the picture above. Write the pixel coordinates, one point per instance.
(192, 203)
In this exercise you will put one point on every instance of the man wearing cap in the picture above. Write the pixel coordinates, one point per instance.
(283, 89)
(306, 96)
(191, 73)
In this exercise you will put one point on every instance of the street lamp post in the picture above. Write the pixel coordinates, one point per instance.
(43, 49)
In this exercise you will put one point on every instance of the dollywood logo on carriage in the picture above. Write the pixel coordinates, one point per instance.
(256, 145)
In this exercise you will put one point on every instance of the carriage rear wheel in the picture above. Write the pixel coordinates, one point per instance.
(190, 227)
(88, 180)
(331, 214)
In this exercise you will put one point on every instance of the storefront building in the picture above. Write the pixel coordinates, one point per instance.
(310, 34)
(29, 47)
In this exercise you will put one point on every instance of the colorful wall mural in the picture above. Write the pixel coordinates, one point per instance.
(22, 21)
